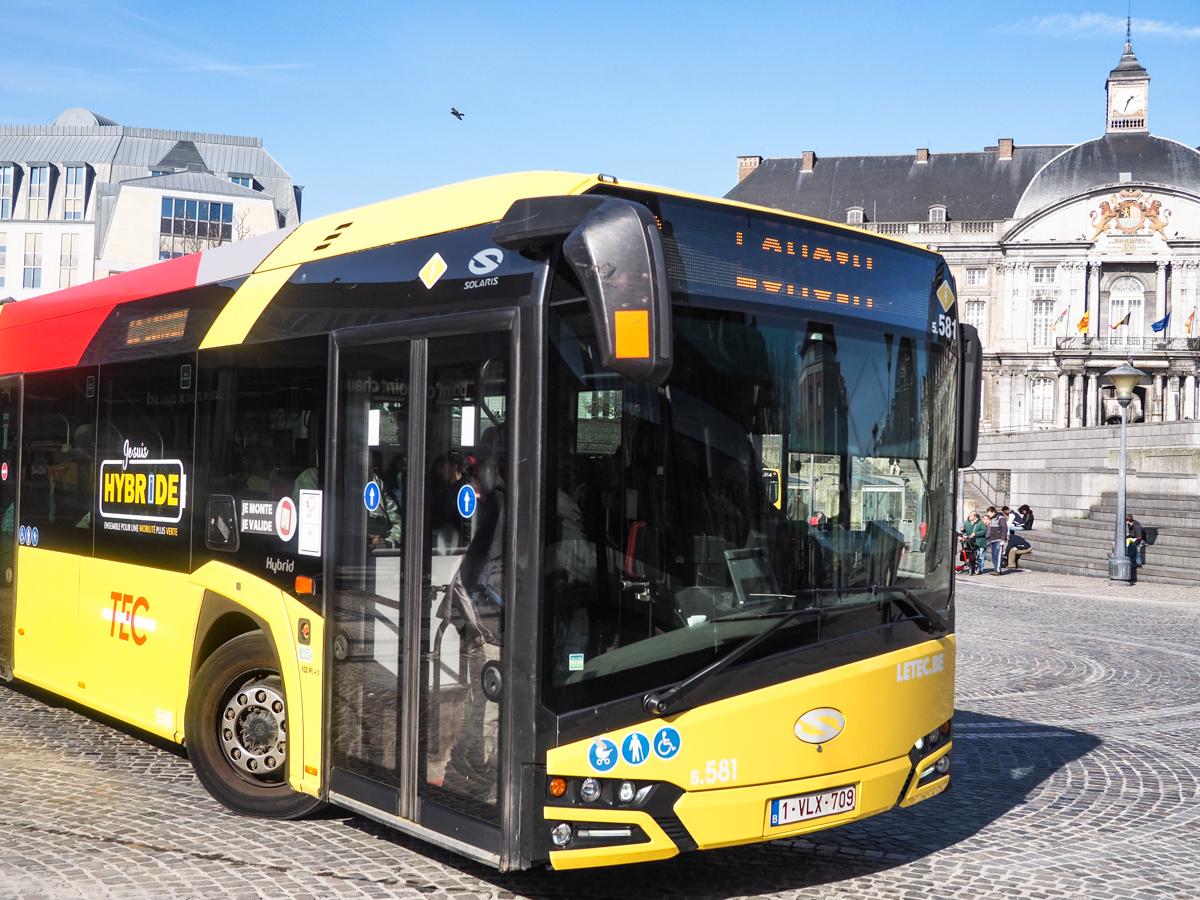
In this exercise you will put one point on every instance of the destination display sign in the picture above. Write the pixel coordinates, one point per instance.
(737, 254)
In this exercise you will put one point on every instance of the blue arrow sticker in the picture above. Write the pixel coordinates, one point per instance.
(467, 501)
(635, 748)
(371, 496)
(666, 743)
(603, 754)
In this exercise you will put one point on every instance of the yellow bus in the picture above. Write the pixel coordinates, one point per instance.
(451, 511)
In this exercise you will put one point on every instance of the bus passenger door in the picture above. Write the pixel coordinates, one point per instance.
(10, 466)
(367, 619)
(418, 574)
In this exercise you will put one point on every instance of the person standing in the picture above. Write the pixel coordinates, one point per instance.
(974, 532)
(1135, 541)
(996, 534)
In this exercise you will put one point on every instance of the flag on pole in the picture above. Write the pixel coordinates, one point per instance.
(1124, 320)
(1062, 315)
(1190, 322)
(1082, 327)
(1161, 324)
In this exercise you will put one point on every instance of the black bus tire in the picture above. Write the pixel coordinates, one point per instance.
(236, 718)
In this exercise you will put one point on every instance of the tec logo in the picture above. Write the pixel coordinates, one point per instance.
(127, 618)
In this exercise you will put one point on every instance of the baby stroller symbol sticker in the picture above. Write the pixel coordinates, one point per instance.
(602, 755)
(666, 743)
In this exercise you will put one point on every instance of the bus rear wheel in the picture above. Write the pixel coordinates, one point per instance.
(236, 723)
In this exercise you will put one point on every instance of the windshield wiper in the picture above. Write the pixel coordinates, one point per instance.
(937, 622)
(657, 703)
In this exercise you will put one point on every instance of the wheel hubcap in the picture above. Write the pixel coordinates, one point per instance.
(253, 729)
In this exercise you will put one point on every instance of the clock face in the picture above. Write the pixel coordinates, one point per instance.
(1127, 102)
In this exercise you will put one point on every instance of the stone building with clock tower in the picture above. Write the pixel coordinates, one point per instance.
(1065, 255)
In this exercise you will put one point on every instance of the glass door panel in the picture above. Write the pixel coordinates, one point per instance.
(10, 465)
(464, 569)
(368, 620)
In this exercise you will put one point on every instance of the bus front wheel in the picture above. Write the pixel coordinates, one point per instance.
(236, 731)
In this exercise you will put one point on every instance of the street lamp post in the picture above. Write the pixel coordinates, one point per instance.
(1124, 378)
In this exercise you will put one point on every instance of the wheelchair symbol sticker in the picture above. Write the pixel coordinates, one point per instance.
(371, 496)
(666, 743)
(467, 501)
(602, 755)
(635, 748)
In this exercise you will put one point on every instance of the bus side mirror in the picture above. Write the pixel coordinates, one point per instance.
(970, 388)
(616, 250)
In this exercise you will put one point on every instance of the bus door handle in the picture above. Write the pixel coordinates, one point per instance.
(640, 589)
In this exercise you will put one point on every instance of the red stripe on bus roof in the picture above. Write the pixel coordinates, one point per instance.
(53, 331)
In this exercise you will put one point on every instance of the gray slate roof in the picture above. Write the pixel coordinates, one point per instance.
(200, 182)
(121, 153)
(898, 188)
(1100, 162)
(971, 185)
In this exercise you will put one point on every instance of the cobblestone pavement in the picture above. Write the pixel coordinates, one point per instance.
(1077, 774)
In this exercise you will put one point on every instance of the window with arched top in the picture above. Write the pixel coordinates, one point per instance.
(854, 215)
(937, 213)
(1126, 298)
(1042, 400)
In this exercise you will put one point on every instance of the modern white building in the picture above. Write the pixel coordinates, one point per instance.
(1065, 255)
(85, 198)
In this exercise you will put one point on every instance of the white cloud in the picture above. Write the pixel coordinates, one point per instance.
(1086, 25)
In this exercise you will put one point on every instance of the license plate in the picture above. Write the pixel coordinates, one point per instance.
(813, 806)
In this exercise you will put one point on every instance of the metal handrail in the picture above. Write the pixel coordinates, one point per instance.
(1120, 342)
(991, 497)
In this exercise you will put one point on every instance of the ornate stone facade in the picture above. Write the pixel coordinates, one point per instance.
(1069, 259)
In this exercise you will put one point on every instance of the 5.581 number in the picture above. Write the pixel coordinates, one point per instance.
(716, 771)
(944, 326)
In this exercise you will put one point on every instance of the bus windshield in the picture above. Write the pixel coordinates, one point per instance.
(787, 462)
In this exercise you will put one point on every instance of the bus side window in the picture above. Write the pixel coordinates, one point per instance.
(144, 463)
(260, 444)
(59, 459)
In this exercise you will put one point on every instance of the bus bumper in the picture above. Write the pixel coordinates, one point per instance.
(727, 817)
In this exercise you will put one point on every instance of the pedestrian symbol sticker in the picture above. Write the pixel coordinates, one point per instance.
(635, 748)
(467, 501)
(371, 496)
(603, 754)
(666, 743)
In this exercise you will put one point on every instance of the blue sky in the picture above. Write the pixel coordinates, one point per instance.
(353, 99)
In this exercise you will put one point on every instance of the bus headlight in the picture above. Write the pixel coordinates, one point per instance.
(626, 792)
(561, 835)
(943, 764)
(590, 790)
(933, 737)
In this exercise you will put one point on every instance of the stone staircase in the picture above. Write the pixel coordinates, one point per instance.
(1080, 546)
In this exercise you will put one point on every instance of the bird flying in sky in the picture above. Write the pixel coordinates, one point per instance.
(458, 115)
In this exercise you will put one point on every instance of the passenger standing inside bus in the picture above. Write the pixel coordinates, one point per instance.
(475, 604)
(445, 524)
(385, 528)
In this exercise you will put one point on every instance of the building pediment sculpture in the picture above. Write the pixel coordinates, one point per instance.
(1129, 212)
